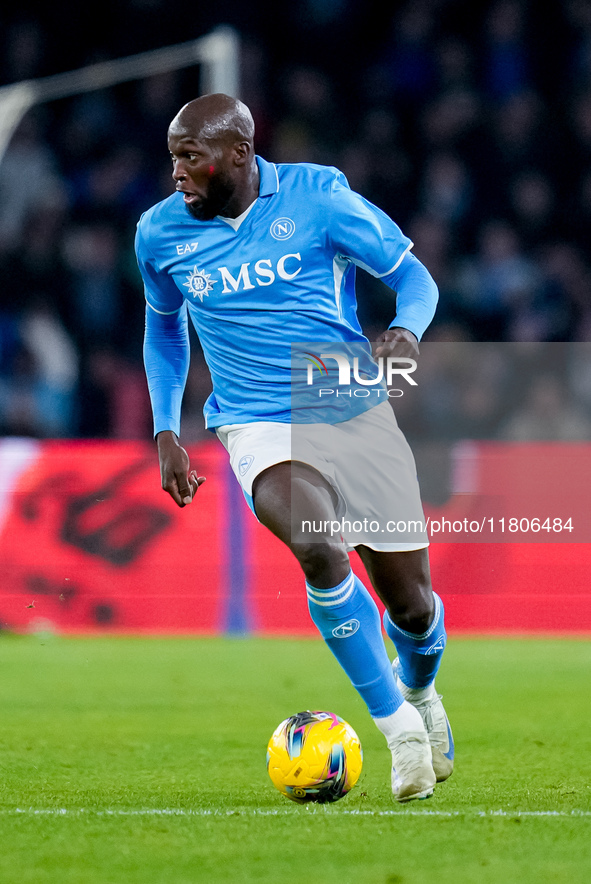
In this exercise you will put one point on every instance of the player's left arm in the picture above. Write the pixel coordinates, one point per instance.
(364, 234)
(416, 300)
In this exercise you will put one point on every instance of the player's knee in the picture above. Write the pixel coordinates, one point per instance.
(415, 614)
(324, 564)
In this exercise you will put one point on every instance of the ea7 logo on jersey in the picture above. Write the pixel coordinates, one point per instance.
(263, 273)
(198, 283)
(183, 248)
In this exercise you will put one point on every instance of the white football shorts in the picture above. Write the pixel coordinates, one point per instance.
(366, 460)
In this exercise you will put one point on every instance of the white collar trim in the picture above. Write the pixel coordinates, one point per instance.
(236, 222)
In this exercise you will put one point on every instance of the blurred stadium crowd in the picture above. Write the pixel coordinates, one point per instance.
(470, 124)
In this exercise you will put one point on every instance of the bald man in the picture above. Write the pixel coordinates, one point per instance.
(260, 256)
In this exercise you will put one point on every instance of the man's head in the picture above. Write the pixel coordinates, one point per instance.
(211, 144)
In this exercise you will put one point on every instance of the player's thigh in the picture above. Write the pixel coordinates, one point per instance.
(403, 582)
(288, 492)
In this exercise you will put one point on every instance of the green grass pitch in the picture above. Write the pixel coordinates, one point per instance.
(138, 760)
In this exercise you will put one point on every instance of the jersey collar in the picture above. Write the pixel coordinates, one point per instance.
(269, 179)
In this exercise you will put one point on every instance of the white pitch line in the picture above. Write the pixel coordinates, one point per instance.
(188, 812)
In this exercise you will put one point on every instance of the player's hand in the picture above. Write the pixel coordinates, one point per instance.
(397, 342)
(177, 478)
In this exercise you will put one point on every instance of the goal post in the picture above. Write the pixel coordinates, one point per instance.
(217, 53)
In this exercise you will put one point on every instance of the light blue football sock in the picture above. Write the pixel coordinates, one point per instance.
(419, 655)
(349, 622)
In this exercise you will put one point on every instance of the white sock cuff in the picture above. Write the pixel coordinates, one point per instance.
(416, 695)
(333, 595)
(405, 720)
(434, 622)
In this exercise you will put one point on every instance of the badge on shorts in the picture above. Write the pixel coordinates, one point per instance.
(245, 463)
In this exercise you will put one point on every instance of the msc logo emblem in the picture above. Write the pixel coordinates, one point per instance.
(282, 228)
(245, 463)
(199, 283)
(346, 629)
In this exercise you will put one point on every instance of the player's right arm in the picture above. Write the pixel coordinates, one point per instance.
(177, 478)
(166, 360)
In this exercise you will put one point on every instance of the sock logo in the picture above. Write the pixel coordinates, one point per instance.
(344, 630)
(438, 646)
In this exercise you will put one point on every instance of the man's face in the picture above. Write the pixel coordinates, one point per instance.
(202, 174)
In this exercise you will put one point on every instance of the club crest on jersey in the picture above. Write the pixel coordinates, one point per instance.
(282, 228)
(199, 283)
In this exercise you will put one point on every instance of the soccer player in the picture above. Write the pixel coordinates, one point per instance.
(260, 255)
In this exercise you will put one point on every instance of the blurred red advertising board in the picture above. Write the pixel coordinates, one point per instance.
(90, 542)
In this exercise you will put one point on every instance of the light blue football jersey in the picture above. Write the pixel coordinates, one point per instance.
(286, 274)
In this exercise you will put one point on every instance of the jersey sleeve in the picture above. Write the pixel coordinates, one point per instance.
(416, 295)
(166, 340)
(361, 232)
(162, 295)
(369, 238)
(166, 360)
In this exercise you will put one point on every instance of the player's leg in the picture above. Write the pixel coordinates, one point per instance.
(335, 600)
(345, 615)
(281, 490)
(414, 620)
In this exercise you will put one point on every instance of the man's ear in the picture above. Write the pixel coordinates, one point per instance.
(242, 151)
